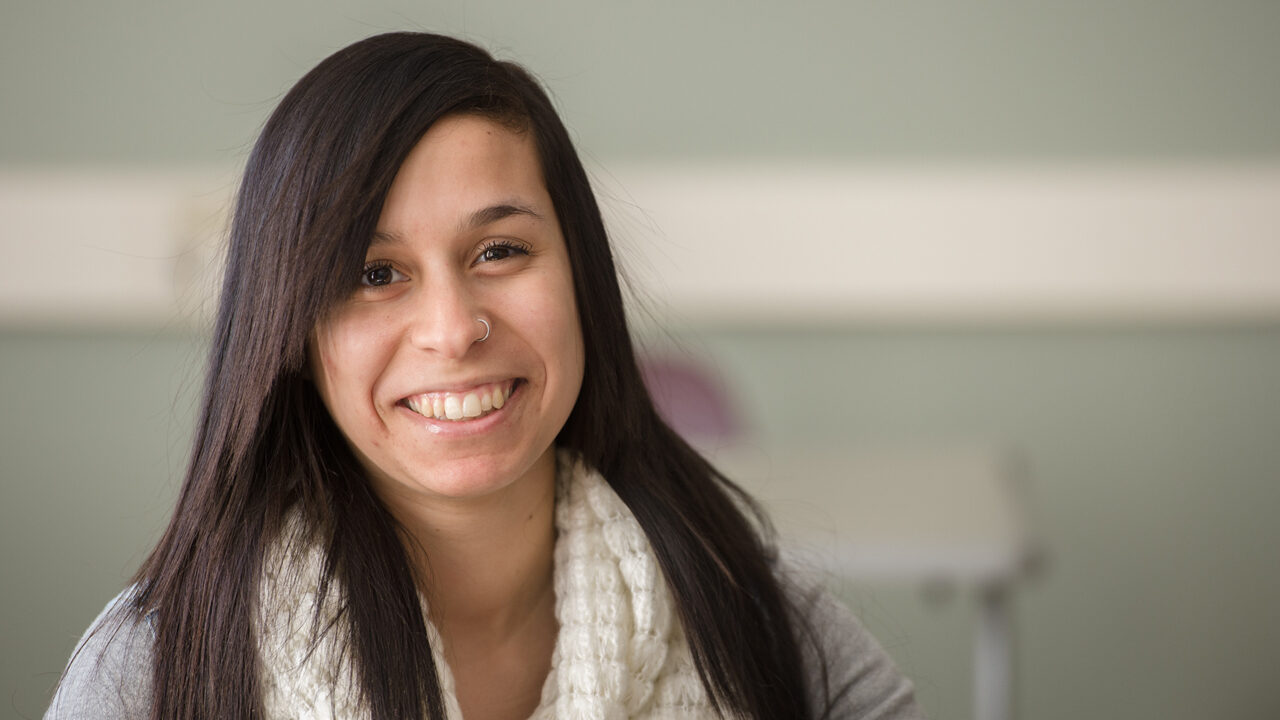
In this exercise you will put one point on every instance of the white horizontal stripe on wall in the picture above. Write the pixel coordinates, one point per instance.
(795, 244)
(743, 243)
(99, 248)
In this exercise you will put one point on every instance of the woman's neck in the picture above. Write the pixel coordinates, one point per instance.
(487, 564)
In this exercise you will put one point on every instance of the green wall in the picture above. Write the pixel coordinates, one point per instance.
(144, 81)
(93, 440)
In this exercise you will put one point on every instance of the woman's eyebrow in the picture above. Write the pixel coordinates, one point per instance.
(383, 237)
(494, 213)
(477, 219)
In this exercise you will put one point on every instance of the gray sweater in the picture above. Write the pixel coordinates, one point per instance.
(109, 675)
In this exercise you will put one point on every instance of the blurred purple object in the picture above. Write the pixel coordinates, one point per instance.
(691, 400)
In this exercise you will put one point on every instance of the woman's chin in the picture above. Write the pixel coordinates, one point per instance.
(478, 477)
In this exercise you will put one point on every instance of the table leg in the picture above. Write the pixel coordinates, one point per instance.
(993, 655)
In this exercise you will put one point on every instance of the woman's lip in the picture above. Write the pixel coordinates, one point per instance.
(462, 388)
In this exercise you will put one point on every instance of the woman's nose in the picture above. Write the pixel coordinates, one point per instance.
(445, 319)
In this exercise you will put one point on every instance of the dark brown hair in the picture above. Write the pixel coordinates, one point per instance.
(265, 447)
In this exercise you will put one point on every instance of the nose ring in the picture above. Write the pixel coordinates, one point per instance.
(487, 329)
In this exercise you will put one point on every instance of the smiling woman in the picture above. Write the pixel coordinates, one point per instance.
(427, 479)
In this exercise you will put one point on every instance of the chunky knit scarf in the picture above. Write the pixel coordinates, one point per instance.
(621, 652)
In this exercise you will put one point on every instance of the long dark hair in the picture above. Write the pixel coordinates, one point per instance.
(266, 448)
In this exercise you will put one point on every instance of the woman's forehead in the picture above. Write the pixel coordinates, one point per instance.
(466, 171)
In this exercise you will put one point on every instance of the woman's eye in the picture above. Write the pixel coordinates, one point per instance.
(501, 250)
(378, 275)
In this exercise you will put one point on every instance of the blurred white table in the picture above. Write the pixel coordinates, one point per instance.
(917, 514)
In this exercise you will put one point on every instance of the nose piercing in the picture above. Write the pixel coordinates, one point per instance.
(487, 329)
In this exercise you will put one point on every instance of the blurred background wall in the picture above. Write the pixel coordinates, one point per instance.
(1149, 434)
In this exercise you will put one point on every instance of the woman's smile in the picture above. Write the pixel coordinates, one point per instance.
(474, 412)
(461, 405)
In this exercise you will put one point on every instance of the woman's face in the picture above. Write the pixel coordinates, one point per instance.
(467, 231)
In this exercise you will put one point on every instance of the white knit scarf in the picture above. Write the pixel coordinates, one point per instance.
(621, 652)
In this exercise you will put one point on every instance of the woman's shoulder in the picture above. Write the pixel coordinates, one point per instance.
(109, 674)
(849, 674)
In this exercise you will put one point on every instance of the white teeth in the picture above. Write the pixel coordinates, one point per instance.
(453, 407)
(460, 407)
(471, 406)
